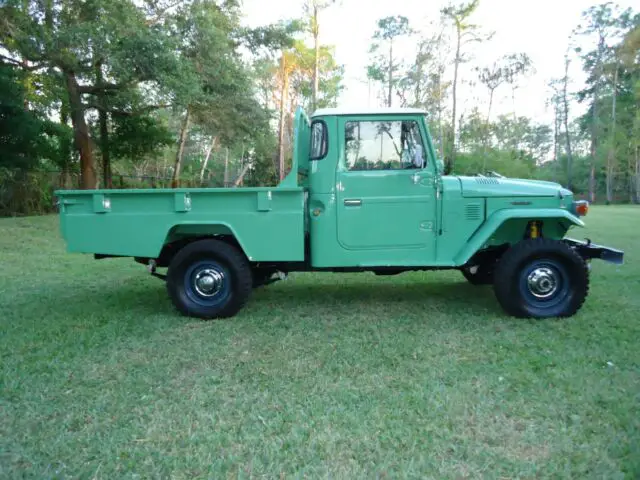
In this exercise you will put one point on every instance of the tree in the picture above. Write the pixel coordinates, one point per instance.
(491, 77)
(384, 66)
(81, 43)
(602, 22)
(312, 10)
(516, 66)
(565, 117)
(423, 84)
(465, 32)
(291, 60)
(221, 98)
(26, 137)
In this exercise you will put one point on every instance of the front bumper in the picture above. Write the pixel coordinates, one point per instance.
(589, 250)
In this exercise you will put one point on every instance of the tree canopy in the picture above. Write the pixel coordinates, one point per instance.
(117, 93)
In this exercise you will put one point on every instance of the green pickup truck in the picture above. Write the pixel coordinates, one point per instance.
(366, 193)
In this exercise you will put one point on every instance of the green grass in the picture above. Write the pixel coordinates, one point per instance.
(323, 375)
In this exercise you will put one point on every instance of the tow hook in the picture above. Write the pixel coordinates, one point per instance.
(152, 267)
(277, 277)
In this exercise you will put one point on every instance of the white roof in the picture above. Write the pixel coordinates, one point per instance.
(368, 111)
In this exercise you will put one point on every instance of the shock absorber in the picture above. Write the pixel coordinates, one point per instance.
(534, 229)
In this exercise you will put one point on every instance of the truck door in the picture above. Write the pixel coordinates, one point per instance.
(386, 190)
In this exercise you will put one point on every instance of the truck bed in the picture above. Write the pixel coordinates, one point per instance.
(268, 222)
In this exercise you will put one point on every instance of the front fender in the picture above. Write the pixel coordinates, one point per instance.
(500, 217)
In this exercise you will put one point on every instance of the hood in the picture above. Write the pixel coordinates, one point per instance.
(509, 187)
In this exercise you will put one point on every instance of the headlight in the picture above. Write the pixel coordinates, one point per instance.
(581, 207)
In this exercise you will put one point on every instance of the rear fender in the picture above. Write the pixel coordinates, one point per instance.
(495, 231)
(185, 231)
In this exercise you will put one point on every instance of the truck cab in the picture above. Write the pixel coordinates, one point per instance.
(374, 185)
(366, 192)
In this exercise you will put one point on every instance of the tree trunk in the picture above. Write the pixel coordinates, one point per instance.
(316, 63)
(592, 184)
(594, 121)
(226, 168)
(283, 102)
(612, 141)
(556, 137)
(490, 105)
(104, 131)
(567, 136)
(389, 99)
(440, 126)
(455, 99)
(81, 136)
(240, 178)
(487, 131)
(206, 158)
(104, 142)
(175, 181)
(593, 148)
(637, 175)
(65, 148)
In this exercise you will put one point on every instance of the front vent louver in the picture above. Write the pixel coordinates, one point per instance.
(472, 211)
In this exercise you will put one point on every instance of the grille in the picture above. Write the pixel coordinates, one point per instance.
(472, 211)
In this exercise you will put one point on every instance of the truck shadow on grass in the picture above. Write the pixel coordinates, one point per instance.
(446, 296)
(138, 304)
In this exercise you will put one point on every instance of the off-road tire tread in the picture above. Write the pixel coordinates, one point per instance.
(524, 250)
(234, 259)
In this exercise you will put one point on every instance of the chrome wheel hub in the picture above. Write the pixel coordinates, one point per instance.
(543, 282)
(208, 282)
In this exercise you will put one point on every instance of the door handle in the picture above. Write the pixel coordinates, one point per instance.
(352, 203)
(416, 178)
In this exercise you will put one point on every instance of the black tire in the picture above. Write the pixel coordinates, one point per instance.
(483, 274)
(224, 274)
(541, 278)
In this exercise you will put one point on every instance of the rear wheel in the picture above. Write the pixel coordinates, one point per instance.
(209, 279)
(541, 278)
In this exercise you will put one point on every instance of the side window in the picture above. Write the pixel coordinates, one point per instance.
(378, 145)
(319, 144)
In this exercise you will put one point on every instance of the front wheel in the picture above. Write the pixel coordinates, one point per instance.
(209, 279)
(541, 278)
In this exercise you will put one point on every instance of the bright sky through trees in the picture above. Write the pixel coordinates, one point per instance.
(541, 29)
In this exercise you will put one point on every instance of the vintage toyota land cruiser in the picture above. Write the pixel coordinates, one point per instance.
(366, 192)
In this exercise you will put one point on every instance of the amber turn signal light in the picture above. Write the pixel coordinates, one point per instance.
(581, 207)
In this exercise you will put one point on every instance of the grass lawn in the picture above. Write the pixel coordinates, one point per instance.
(323, 375)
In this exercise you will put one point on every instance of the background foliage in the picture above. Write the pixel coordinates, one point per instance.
(116, 93)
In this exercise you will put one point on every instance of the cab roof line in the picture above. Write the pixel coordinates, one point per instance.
(367, 111)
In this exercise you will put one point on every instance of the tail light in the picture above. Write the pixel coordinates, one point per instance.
(581, 207)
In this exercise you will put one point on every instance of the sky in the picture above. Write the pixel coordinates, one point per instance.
(539, 28)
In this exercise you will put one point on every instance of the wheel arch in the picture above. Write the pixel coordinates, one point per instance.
(182, 234)
(506, 227)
